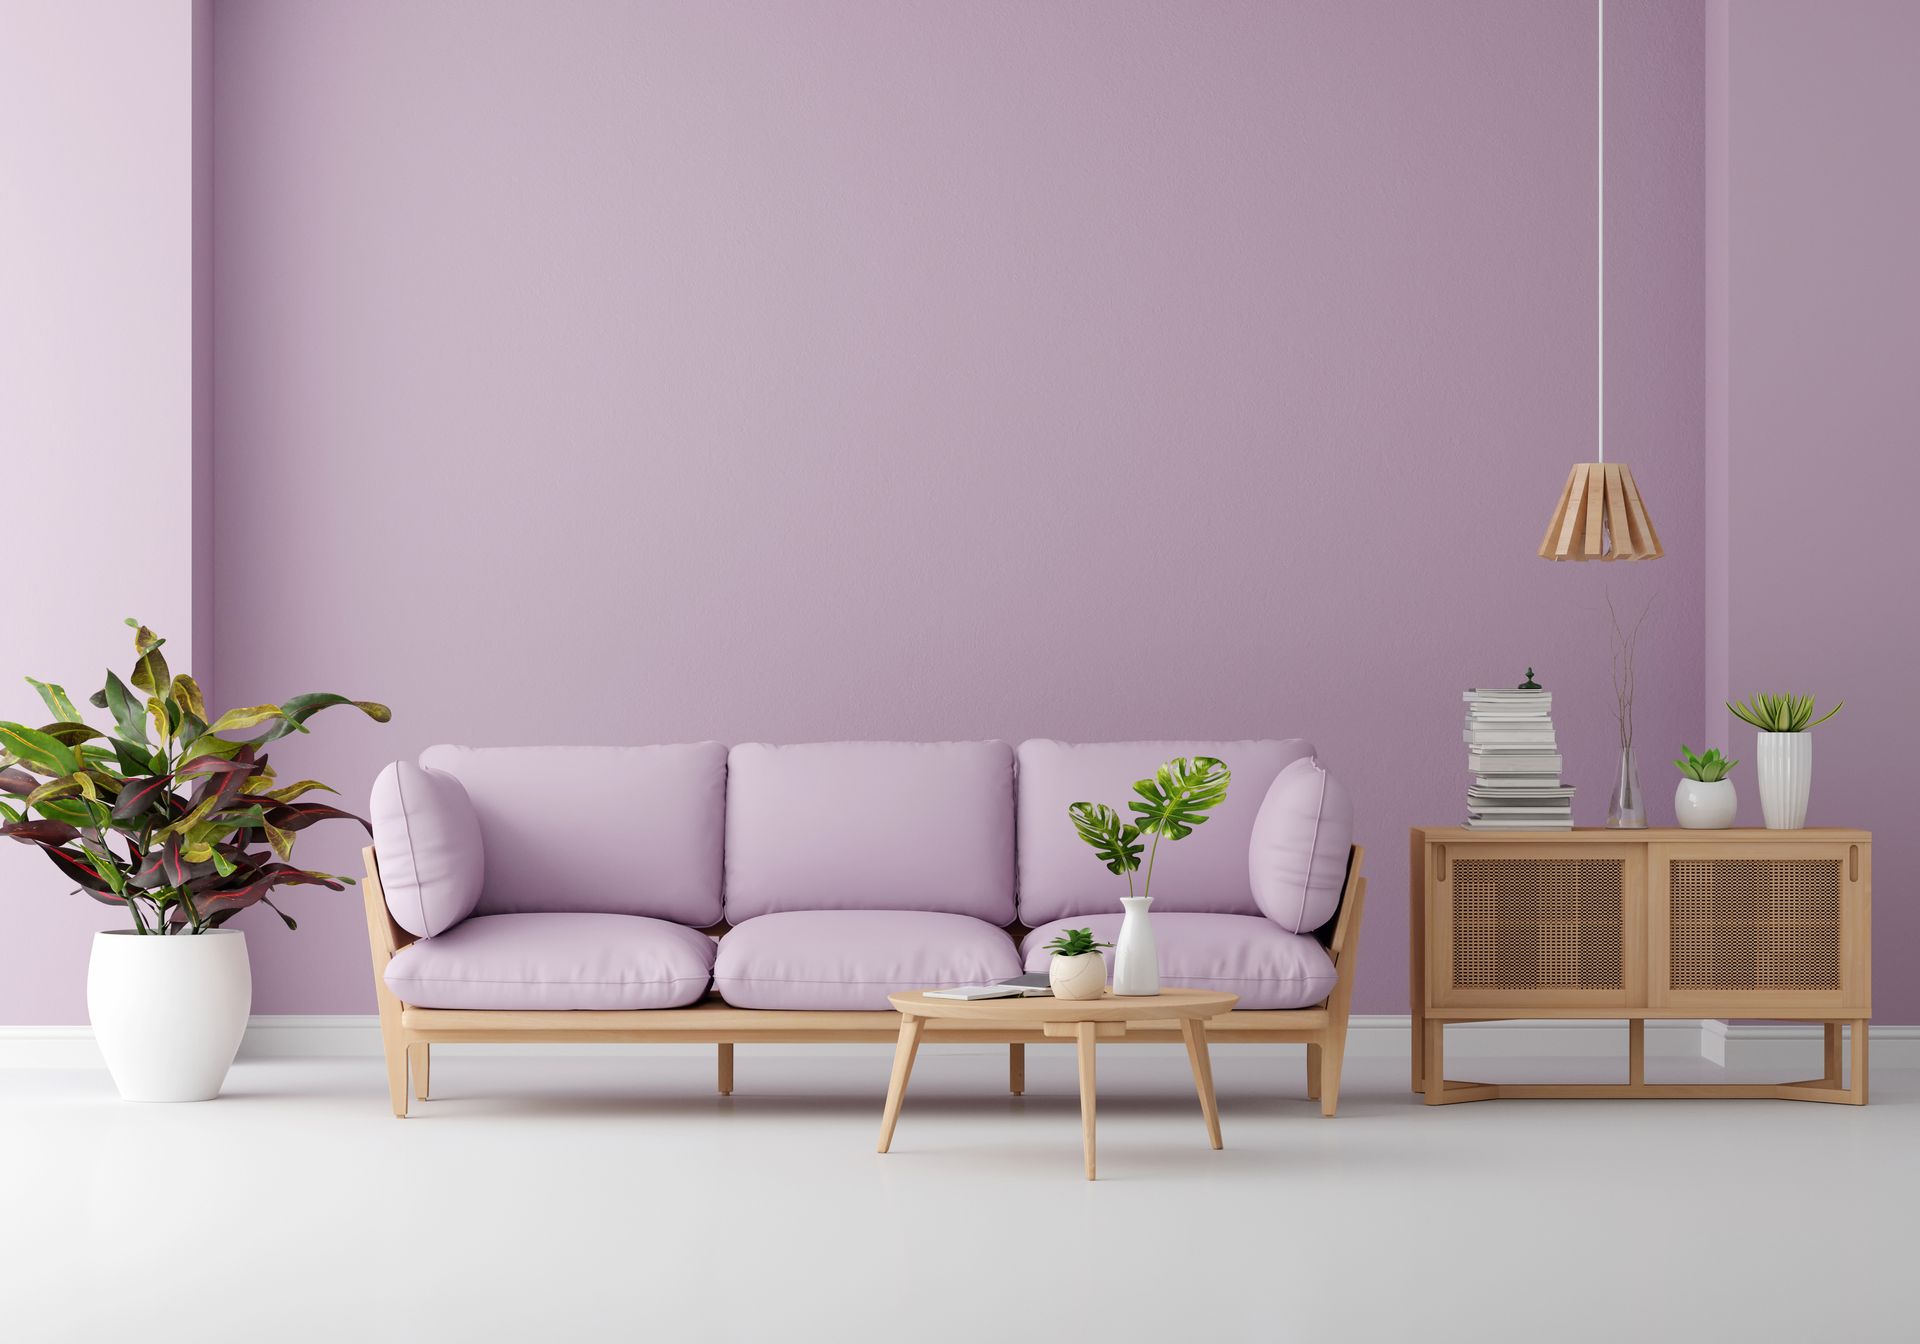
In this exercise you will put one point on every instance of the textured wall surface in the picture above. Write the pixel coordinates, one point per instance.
(1817, 286)
(98, 469)
(653, 373)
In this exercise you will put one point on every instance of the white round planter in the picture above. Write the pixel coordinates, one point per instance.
(1785, 767)
(168, 1012)
(1081, 977)
(1705, 807)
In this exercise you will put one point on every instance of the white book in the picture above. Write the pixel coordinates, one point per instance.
(1518, 824)
(972, 992)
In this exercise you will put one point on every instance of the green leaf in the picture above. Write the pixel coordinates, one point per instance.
(128, 712)
(56, 701)
(298, 710)
(45, 754)
(72, 734)
(150, 673)
(1179, 795)
(186, 693)
(1115, 842)
(249, 717)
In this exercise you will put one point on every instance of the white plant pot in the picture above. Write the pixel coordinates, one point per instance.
(1785, 764)
(1136, 959)
(1081, 977)
(168, 1012)
(1705, 807)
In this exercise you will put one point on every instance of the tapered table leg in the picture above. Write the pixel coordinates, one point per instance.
(1195, 1033)
(903, 1053)
(1084, 1035)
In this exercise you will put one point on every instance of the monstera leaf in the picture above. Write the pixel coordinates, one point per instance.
(1179, 796)
(1115, 841)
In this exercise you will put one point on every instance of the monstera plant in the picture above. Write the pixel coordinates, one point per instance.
(175, 814)
(1170, 806)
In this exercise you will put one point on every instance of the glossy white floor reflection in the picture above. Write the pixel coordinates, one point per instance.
(616, 1197)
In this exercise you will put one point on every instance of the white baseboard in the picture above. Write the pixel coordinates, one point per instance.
(1761, 1047)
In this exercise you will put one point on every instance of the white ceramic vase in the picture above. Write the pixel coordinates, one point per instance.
(168, 1012)
(1785, 764)
(1081, 977)
(1136, 959)
(1700, 806)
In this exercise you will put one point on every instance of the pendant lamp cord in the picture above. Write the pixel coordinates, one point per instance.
(1600, 231)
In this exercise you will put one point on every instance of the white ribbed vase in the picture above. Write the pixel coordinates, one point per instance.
(1136, 959)
(1786, 777)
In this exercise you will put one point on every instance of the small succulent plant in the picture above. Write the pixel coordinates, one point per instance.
(1710, 768)
(1781, 713)
(1075, 943)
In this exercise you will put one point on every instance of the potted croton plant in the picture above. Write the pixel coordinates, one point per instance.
(175, 817)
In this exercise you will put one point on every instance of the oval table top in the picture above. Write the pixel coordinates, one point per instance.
(1044, 1008)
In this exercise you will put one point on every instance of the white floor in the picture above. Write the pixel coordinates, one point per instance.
(616, 1197)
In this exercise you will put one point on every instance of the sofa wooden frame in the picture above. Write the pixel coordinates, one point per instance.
(408, 1034)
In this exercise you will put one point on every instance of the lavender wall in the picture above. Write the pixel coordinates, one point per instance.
(653, 372)
(1817, 284)
(102, 435)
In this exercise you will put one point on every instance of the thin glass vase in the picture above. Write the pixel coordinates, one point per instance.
(1626, 805)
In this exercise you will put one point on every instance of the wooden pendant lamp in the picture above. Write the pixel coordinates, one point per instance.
(1600, 515)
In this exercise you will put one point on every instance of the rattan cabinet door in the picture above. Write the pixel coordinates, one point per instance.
(1780, 927)
(1537, 926)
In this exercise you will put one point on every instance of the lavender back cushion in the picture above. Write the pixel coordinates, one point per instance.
(1204, 873)
(598, 830)
(428, 841)
(871, 826)
(1298, 857)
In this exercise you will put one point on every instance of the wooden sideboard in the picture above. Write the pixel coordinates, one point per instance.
(1656, 923)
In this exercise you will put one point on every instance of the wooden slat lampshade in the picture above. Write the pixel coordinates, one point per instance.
(1600, 517)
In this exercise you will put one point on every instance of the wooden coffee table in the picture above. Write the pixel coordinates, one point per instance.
(1082, 1020)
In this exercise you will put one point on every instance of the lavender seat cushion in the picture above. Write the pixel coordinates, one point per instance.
(427, 838)
(1248, 955)
(542, 962)
(871, 826)
(1206, 872)
(850, 960)
(614, 830)
(1297, 859)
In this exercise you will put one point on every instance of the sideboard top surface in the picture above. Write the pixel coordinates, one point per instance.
(1664, 835)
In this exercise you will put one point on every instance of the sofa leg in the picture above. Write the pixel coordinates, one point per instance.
(1313, 1073)
(1017, 1069)
(396, 1072)
(419, 1060)
(726, 1068)
(1333, 1054)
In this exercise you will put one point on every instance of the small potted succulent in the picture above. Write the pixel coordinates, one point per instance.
(1785, 763)
(1077, 970)
(1705, 800)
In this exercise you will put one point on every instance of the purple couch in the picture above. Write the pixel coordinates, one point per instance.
(699, 893)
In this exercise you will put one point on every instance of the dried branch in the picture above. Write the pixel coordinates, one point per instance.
(1624, 641)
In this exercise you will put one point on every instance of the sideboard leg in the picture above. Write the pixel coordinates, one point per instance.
(1857, 1090)
(1833, 1071)
(1637, 1052)
(1433, 1064)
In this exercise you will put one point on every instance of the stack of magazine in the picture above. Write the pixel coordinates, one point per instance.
(1515, 763)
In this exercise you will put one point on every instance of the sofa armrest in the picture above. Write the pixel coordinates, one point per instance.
(427, 837)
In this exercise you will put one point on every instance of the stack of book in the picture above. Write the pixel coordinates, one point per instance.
(1515, 763)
